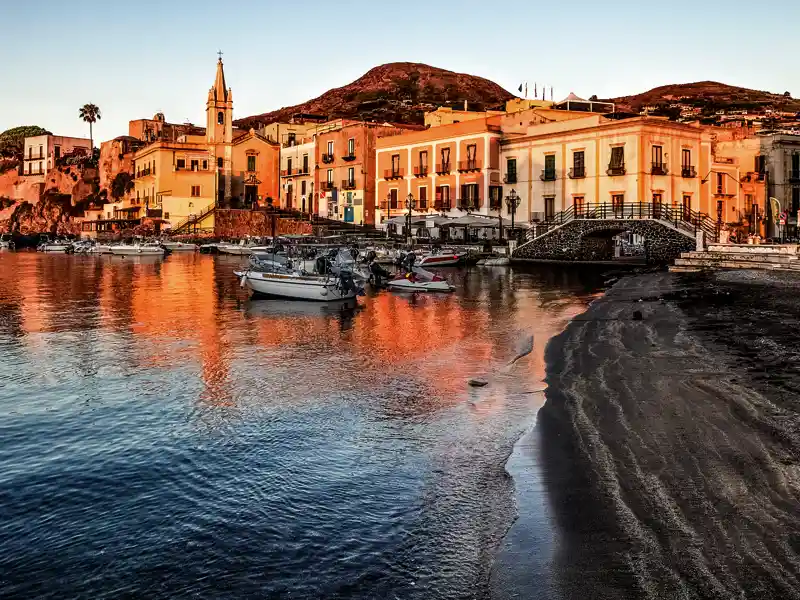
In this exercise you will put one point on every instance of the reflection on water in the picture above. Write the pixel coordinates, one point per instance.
(166, 436)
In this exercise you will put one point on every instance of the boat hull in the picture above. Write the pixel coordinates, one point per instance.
(494, 262)
(439, 260)
(56, 248)
(317, 289)
(405, 285)
(181, 247)
(137, 251)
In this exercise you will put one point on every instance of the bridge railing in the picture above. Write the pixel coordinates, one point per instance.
(682, 218)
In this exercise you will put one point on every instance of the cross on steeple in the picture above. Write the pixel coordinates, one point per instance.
(219, 53)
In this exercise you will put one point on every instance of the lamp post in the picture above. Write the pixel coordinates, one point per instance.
(411, 204)
(512, 202)
(388, 212)
(500, 217)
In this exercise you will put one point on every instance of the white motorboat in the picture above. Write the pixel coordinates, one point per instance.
(6, 242)
(243, 248)
(180, 246)
(54, 246)
(274, 275)
(440, 259)
(101, 249)
(138, 250)
(419, 280)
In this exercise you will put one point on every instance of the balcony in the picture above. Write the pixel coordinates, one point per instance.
(327, 186)
(468, 204)
(421, 171)
(469, 165)
(143, 172)
(390, 174)
(794, 176)
(441, 204)
(351, 156)
(659, 168)
(615, 171)
(348, 184)
(510, 178)
(548, 175)
(577, 173)
(443, 168)
(327, 158)
(688, 171)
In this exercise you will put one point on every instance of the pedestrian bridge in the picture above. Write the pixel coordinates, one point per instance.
(585, 232)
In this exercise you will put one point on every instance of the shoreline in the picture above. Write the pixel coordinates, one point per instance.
(667, 473)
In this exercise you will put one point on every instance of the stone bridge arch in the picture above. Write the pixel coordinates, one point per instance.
(577, 240)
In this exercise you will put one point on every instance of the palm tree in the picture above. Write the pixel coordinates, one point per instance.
(90, 113)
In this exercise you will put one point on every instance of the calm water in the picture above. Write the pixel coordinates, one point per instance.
(164, 436)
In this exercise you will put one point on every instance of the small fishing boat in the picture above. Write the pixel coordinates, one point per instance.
(419, 280)
(62, 246)
(137, 249)
(180, 246)
(6, 242)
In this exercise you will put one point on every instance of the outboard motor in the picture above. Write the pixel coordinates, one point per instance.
(409, 260)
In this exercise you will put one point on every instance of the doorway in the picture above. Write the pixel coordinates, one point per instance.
(250, 195)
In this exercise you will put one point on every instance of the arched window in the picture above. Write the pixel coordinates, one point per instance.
(220, 118)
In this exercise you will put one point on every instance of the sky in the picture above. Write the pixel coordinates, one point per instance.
(134, 59)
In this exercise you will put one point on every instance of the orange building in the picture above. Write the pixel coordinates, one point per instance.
(345, 168)
(446, 169)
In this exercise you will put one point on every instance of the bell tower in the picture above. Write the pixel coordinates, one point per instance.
(219, 110)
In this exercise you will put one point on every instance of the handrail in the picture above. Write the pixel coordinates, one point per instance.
(683, 219)
(194, 218)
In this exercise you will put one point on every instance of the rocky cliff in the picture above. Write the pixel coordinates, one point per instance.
(395, 92)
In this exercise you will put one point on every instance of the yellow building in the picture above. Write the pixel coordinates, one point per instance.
(185, 180)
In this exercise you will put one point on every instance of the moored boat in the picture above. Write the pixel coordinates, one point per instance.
(419, 280)
(494, 261)
(138, 250)
(180, 246)
(440, 259)
(61, 246)
(6, 242)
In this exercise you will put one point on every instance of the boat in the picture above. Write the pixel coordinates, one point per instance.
(494, 261)
(62, 246)
(274, 275)
(180, 246)
(137, 249)
(419, 280)
(6, 242)
(101, 249)
(243, 248)
(440, 259)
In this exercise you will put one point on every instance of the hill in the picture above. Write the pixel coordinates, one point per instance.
(394, 92)
(709, 97)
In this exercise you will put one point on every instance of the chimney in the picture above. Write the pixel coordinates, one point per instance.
(465, 106)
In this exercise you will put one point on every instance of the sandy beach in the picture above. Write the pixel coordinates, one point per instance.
(669, 441)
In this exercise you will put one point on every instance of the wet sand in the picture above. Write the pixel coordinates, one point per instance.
(669, 445)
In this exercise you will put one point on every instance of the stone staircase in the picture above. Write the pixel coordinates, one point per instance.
(783, 257)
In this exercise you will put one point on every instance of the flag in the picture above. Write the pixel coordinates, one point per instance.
(535, 93)
(520, 88)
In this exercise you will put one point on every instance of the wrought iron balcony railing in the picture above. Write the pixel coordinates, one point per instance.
(327, 158)
(510, 178)
(577, 173)
(659, 168)
(615, 170)
(348, 184)
(688, 171)
(443, 168)
(548, 175)
(421, 171)
(469, 165)
(393, 174)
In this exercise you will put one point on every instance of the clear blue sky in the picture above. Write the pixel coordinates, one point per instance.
(134, 59)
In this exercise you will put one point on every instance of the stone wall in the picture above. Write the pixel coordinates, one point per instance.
(585, 240)
(231, 223)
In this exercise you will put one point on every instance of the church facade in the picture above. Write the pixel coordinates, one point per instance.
(187, 177)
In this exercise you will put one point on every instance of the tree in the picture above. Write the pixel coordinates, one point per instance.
(121, 185)
(12, 141)
(90, 113)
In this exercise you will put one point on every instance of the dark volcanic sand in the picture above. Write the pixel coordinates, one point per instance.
(670, 444)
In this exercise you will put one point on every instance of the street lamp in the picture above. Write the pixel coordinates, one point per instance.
(512, 202)
(388, 212)
(499, 204)
(411, 204)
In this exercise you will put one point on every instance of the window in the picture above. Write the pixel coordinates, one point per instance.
(496, 197)
(330, 148)
(423, 162)
(617, 164)
(393, 199)
(795, 166)
(251, 163)
(617, 204)
(658, 155)
(40, 168)
(166, 215)
(330, 176)
(795, 199)
(41, 152)
(57, 151)
(445, 159)
(288, 166)
(578, 166)
(578, 206)
(205, 166)
(219, 162)
(470, 198)
(220, 118)
(442, 201)
(351, 176)
(194, 164)
(291, 138)
(686, 158)
(472, 153)
(305, 163)
(423, 198)
(687, 207)
(195, 191)
(154, 167)
(550, 167)
(511, 170)
(720, 183)
(303, 187)
(30, 151)
(395, 165)
(181, 164)
(351, 147)
(549, 208)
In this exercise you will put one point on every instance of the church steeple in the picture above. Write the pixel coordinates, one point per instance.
(219, 110)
